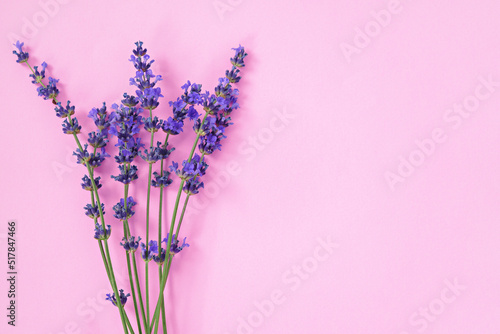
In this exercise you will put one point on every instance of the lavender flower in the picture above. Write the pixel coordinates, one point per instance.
(129, 100)
(190, 169)
(206, 127)
(192, 186)
(144, 77)
(161, 181)
(178, 109)
(22, 57)
(119, 209)
(149, 97)
(92, 211)
(174, 246)
(38, 76)
(160, 258)
(87, 183)
(100, 233)
(86, 158)
(50, 91)
(125, 122)
(72, 127)
(240, 54)
(192, 114)
(101, 119)
(152, 125)
(172, 126)
(82, 157)
(130, 244)
(233, 75)
(97, 140)
(193, 96)
(152, 250)
(64, 112)
(211, 141)
(126, 175)
(123, 298)
(156, 153)
(211, 105)
(128, 150)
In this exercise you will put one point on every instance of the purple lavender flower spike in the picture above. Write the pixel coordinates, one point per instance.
(22, 56)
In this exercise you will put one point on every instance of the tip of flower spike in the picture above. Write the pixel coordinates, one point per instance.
(238, 49)
(22, 57)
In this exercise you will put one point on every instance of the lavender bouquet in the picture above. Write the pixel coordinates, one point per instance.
(125, 124)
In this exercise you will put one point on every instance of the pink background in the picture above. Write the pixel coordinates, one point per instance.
(363, 99)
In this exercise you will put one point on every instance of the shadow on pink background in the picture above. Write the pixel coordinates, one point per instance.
(363, 184)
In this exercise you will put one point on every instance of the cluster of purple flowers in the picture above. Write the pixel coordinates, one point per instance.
(190, 169)
(22, 56)
(123, 297)
(125, 125)
(161, 181)
(220, 106)
(154, 154)
(97, 139)
(87, 183)
(211, 129)
(152, 252)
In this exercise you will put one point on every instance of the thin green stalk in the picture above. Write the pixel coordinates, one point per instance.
(138, 285)
(126, 234)
(112, 279)
(168, 264)
(106, 248)
(163, 317)
(113, 283)
(127, 321)
(172, 224)
(132, 289)
(147, 218)
(160, 248)
(104, 259)
(123, 315)
(160, 209)
(147, 237)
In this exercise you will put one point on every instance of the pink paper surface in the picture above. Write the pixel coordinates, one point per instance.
(357, 191)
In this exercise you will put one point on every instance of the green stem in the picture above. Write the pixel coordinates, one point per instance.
(129, 325)
(147, 217)
(112, 279)
(172, 225)
(122, 315)
(144, 319)
(156, 315)
(126, 234)
(113, 284)
(163, 318)
(160, 210)
(182, 216)
(129, 267)
(147, 237)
